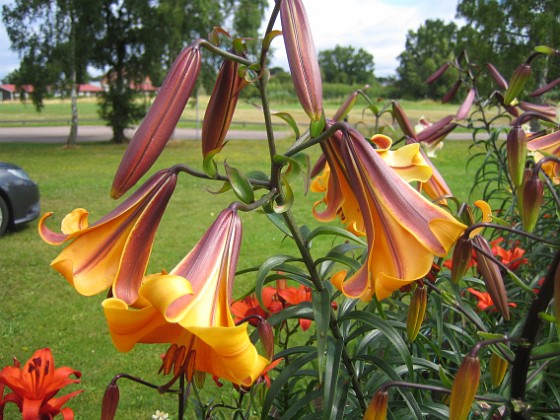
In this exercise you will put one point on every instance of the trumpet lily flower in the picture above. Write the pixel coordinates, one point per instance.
(35, 385)
(190, 307)
(404, 230)
(548, 144)
(114, 251)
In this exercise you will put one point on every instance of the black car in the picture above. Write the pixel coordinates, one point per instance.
(19, 197)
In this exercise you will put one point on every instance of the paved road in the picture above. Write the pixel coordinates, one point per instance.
(91, 133)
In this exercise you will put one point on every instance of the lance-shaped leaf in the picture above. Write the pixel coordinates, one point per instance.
(465, 385)
(221, 107)
(240, 184)
(491, 275)
(194, 313)
(114, 251)
(302, 58)
(158, 125)
(516, 154)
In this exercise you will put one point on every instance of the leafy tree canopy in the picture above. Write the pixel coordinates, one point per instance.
(346, 65)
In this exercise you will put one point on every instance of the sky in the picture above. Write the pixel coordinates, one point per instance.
(378, 26)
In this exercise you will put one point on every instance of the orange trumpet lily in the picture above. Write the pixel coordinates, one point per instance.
(190, 307)
(114, 251)
(35, 385)
(404, 230)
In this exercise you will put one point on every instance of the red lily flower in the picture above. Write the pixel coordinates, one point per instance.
(485, 301)
(250, 306)
(513, 258)
(35, 385)
(294, 296)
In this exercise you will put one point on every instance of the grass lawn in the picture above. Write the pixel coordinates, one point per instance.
(40, 309)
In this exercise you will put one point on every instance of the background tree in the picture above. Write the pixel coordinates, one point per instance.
(427, 49)
(54, 42)
(346, 65)
(505, 32)
(128, 48)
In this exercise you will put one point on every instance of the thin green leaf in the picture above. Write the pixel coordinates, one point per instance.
(290, 120)
(322, 311)
(240, 184)
(336, 231)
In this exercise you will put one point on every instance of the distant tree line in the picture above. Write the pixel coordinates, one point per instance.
(130, 39)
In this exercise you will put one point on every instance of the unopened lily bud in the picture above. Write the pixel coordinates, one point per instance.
(266, 336)
(346, 106)
(437, 74)
(462, 255)
(498, 369)
(545, 88)
(496, 75)
(377, 408)
(156, 129)
(402, 120)
(450, 94)
(517, 82)
(302, 58)
(464, 388)
(221, 107)
(199, 378)
(530, 199)
(466, 105)
(416, 312)
(110, 402)
(491, 275)
(516, 154)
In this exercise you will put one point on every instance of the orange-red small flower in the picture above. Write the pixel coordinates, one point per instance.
(485, 301)
(513, 258)
(294, 296)
(35, 385)
(249, 305)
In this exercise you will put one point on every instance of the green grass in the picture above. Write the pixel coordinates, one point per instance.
(40, 309)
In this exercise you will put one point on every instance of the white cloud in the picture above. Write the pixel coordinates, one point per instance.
(380, 27)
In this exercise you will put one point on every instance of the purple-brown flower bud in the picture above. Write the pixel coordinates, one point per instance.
(416, 312)
(490, 272)
(464, 388)
(498, 369)
(545, 110)
(266, 336)
(466, 105)
(530, 199)
(516, 154)
(450, 94)
(497, 76)
(437, 74)
(517, 82)
(462, 256)
(557, 292)
(110, 402)
(402, 120)
(346, 106)
(221, 107)
(302, 58)
(545, 88)
(156, 129)
(377, 408)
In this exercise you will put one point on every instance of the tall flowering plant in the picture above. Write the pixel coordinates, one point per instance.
(333, 335)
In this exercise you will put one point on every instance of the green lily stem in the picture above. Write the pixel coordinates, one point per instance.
(317, 282)
(339, 125)
(223, 53)
(187, 169)
(529, 333)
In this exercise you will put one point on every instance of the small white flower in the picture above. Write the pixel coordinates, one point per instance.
(160, 415)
